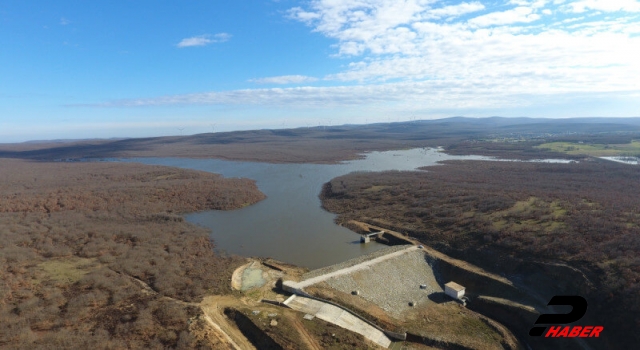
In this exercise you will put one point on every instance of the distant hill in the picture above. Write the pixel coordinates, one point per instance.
(326, 144)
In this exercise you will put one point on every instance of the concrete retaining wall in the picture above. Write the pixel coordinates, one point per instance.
(274, 302)
(393, 335)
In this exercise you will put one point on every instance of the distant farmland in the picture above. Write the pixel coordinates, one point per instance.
(594, 149)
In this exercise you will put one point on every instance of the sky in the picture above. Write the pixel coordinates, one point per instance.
(101, 69)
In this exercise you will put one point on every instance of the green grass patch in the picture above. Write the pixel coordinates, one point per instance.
(520, 208)
(499, 224)
(558, 210)
(554, 225)
(594, 149)
(67, 271)
(518, 217)
(376, 188)
(468, 214)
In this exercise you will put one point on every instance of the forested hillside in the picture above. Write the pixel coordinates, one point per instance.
(499, 214)
(80, 243)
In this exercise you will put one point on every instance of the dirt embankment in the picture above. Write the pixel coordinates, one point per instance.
(251, 331)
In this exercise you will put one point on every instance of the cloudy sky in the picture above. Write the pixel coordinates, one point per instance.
(80, 69)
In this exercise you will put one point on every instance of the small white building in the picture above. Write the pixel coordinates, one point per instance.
(454, 290)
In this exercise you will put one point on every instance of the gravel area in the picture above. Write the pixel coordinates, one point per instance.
(393, 283)
(352, 262)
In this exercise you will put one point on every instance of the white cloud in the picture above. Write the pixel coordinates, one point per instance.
(517, 15)
(605, 5)
(529, 3)
(455, 10)
(574, 19)
(500, 45)
(203, 40)
(479, 54)
(64, 21)
(372, 21)
(284, 79)
(483, 92)
(435, 94)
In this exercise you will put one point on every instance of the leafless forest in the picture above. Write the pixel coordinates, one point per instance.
(330, 144)
(79, 241)
(97, 254)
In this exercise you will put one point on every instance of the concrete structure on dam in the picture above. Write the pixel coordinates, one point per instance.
(406, 269)
(454, 290)
(366, 238)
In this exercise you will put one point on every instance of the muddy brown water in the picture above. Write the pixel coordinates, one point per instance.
(290, 224)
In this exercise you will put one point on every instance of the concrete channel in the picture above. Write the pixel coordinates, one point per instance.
(339, 317)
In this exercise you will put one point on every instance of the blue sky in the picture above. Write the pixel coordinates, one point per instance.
(81, 69)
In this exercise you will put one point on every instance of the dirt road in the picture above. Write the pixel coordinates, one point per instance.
(213, 307)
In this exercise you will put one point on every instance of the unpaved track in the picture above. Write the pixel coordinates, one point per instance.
(213, 307)
(220, 334)
(148, 290)
(304, 335)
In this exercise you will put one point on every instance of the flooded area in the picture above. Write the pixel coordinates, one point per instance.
(252, 278)
(290, 225)
(625, 160)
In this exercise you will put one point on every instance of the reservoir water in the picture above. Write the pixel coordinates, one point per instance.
(290, 225)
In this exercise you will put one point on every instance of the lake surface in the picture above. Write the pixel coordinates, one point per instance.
(290, 224)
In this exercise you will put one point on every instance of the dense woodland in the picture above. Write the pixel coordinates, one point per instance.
(501, 214)
(96, 255)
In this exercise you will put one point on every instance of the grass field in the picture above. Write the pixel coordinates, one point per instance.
(594, 149)
(67, 271)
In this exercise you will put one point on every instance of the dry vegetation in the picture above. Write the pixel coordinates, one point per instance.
(336, 143)
(503, 215)
(79, 242)
(305, 145)
(96, 254)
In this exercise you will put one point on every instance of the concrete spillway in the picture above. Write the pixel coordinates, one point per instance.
(339, 317)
